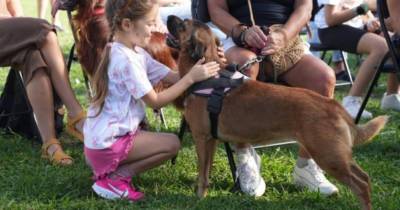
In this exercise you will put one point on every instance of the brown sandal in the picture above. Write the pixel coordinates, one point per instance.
(71, 123)
(57, 156)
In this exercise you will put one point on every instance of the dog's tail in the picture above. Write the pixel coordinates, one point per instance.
(365, 133)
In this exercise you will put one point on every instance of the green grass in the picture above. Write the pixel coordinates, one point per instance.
(28, 182)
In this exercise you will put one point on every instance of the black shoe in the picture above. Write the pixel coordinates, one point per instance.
(343, 76)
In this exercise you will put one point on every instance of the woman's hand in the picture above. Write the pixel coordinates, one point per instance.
(255, 37)
(373, 25)
(276, 41)
(200, 71)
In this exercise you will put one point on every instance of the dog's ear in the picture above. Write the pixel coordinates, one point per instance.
(197, 49)
(175, 25)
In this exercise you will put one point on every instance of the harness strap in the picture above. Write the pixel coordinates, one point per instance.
(215, 99)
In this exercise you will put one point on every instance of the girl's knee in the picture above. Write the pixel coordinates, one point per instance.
(173, 145)
(51, 37)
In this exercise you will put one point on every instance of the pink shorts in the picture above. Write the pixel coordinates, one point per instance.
(105, 161)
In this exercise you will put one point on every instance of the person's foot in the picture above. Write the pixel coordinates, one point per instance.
(352, 104)
(120, 188)
(249, 176)
(313, 178)
(344, 76)
(56, 147)
(391, 101)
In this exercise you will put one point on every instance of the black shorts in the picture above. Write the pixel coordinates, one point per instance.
(341, 37)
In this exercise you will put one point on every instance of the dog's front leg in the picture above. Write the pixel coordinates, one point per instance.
(205, 148)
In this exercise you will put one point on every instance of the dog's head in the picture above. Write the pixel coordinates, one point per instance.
(195, 41)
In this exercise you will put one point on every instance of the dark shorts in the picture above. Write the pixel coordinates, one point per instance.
(341, 37)
(20, 41)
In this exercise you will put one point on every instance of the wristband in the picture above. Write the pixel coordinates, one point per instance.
(238, 34)
(362, 9)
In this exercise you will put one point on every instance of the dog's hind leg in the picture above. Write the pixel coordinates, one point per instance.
(349, 173)
(364, 184)
(356, 169)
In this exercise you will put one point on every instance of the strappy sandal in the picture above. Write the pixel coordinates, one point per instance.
(71, 123)
(58, 156)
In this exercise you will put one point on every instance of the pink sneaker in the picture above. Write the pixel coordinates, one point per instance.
(116, 189)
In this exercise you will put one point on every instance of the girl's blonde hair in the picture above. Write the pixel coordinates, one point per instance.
(116, 11)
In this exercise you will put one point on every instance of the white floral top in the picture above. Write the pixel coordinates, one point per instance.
(131, 75)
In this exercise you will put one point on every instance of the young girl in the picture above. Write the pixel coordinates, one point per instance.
(115, 147)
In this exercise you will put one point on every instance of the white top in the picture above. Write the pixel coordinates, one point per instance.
(343, 4)
(131, 75)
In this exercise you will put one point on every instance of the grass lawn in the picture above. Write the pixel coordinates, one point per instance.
(28, 182)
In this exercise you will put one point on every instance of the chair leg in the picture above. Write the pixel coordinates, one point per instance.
(346, 66)
(232, 166)
(70, 57)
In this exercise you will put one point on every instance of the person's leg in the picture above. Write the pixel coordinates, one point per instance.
(56, 19)
(40, 96)
(375, 47)
(394, 8)
(249, 164)
(241, 56)
(391, 99)
(149, 150)
(41, 8)
(51, 53)
(313, 74)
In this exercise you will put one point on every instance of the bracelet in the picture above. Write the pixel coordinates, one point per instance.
(238, 33)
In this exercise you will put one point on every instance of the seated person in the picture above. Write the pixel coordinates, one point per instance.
(30, 45)
(308, 72)
(341, 25)
(394, 11)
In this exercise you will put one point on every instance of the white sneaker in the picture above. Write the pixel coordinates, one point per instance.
(312, 177)
(352, 104)
(249, 176)
(391, 101)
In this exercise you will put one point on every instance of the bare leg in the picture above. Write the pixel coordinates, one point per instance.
(241, 56)
(392, 85)
(375, 46)
(149, 150)
(394, 8)
(42, 7)
(313, 74)
(41, 98)
(59, 76)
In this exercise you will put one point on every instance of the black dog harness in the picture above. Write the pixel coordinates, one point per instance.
(220, 87)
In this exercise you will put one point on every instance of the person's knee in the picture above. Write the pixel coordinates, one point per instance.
(51, 37)
(240, 57)
(173, 145)
(324, 82)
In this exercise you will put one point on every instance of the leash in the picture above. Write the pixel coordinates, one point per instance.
(250, 62)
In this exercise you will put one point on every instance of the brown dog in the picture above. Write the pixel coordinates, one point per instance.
(260, 113)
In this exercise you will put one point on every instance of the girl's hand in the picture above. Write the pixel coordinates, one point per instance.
(255, 37)
(200, 71)
(221, 54)
(276, 41)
